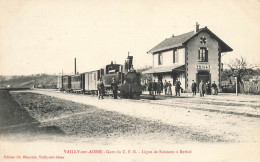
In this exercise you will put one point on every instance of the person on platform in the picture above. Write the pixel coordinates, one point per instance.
(159, 87)
(150, 87)
(101, 89)
(194, 88)
(169, 88)
(214, 88)
(154, 87)
(177, 87)
(165, 85)
(114, 88)
(202, 88)
(208, 86)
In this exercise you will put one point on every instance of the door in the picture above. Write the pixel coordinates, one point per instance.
(205, 76)
(174, 77)
(160, 78)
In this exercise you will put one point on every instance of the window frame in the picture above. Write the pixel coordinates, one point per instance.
(159, 59)
(203, 54)
(174, 58)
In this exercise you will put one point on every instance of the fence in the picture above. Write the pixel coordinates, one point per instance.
(246, 88)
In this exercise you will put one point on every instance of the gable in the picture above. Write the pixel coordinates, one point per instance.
(224, 46)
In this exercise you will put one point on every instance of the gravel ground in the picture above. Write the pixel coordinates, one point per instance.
(83, 121)
(213, 119)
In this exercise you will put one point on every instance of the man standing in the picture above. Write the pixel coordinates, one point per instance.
(194, 87)
(159, 87)
(101, 89)
(114, 87)
(165, 85)
(169, 88)
(177, 87)
(208, 88)
(150, 87)
(214, 88)
(202, 88)
(154, 87)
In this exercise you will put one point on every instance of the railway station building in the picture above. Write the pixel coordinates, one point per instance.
(195, 55)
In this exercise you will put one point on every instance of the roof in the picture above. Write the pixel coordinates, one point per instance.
(173, 42)
(180, 40)
(165, 69)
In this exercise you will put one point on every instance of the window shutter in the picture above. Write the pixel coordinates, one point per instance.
(210, 78)
(173, 56)
(198, 55)
(206, 55)
(176, 56)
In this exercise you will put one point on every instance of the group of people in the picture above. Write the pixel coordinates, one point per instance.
(156, 88)
(101, 88)
(204, 88)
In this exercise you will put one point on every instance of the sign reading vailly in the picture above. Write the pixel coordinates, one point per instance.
(202, 67)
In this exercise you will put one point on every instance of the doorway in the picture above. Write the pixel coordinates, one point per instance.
(174, 77)
(203, 75)
(160, 77)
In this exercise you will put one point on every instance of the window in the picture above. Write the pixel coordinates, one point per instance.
(160, 59)
(175, 56)
(203, 55)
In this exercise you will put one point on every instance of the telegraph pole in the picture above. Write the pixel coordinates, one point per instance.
(75, 66)
(236, 87)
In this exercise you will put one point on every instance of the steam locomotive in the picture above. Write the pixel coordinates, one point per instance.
(129, 81)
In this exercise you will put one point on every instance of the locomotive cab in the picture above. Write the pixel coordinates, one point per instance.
(112, 71)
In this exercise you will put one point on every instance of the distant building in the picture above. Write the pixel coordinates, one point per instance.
(195, 55)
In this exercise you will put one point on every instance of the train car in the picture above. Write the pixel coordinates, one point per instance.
(127, 78)
(77, 83)
(59, 83)
(91, 79)
(66, 83)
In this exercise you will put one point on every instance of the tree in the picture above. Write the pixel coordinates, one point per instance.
(239, 68)
(145, 77)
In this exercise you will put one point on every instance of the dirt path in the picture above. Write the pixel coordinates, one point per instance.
(217, 116)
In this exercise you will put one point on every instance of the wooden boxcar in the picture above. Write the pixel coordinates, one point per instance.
(66, 83)
(77, 82)
(59, 83)
(91, 79)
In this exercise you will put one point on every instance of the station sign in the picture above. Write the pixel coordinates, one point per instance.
(202, 67)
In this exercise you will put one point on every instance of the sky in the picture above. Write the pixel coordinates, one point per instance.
(44, 36)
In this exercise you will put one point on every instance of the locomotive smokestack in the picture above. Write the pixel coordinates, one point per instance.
(75, 66)
(128, 62)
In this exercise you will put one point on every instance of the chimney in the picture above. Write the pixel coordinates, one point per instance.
(197, 27)
(172, 35)
(75, 66)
